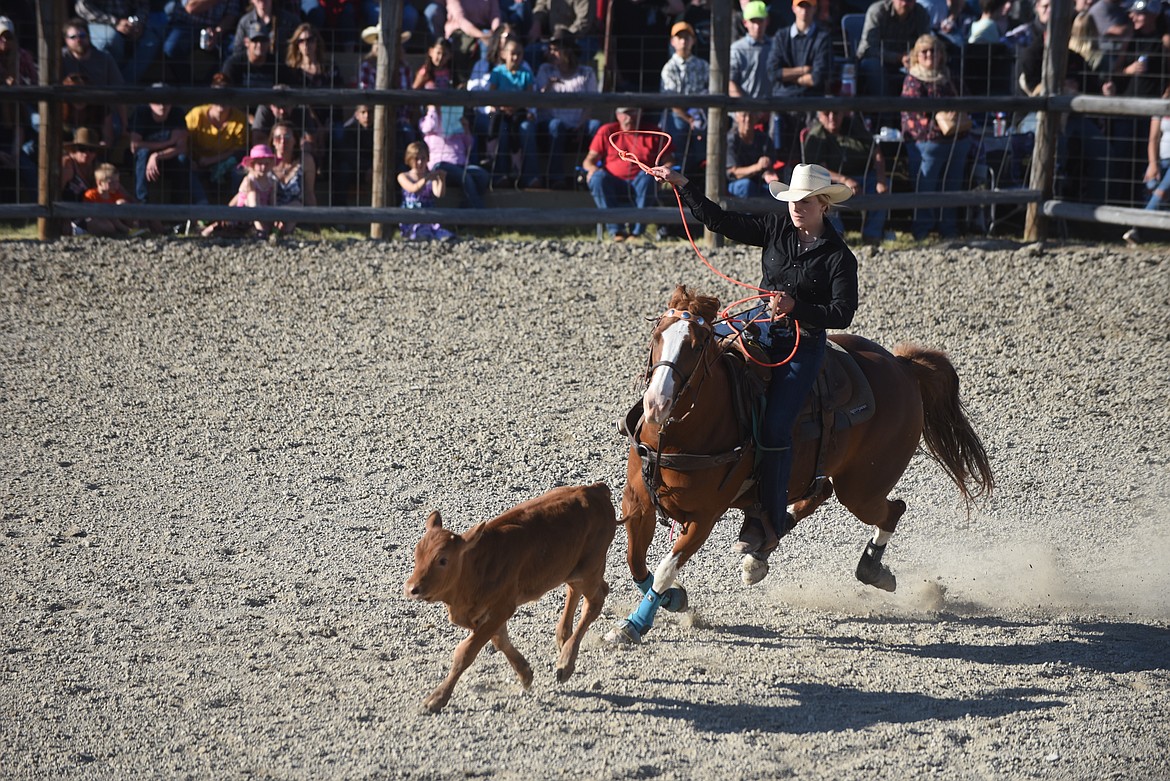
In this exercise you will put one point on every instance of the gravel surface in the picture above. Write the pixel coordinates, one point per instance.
(217, 459)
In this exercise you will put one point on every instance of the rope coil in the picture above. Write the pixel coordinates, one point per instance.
(630, 157)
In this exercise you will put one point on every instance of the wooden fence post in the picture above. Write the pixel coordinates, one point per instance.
(384, 146)
(717, 85)
(1044, 151)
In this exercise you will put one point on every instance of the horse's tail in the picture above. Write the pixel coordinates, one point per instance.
(948, 434)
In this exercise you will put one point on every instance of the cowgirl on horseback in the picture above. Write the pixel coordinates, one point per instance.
(812, 276)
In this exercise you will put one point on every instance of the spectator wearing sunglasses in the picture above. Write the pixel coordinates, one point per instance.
(97, 67)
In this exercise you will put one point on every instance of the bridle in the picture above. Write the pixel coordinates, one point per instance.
(653, 459)
(708, 338)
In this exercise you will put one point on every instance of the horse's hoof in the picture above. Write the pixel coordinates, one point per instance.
(879, 577)
(674, 600)
(755, 569)
(872, 572)
(623, 634)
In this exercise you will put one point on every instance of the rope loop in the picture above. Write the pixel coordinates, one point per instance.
(630, 157)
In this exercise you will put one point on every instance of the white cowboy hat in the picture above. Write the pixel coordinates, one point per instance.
(370, 35)
(810, 180)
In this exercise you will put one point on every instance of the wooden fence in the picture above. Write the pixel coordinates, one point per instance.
(1037, 197)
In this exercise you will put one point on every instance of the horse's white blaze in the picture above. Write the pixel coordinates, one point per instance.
(659, 396)
(880, 537)
(666, 573)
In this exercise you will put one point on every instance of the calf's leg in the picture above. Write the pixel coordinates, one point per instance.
(503, 642)
(564, 626)
(567, 662)
(465, 654)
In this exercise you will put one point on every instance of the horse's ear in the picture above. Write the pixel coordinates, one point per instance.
(434, 521)
(679, 298)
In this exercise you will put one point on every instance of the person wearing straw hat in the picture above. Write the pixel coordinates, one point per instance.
(77, 171)
(812, 276)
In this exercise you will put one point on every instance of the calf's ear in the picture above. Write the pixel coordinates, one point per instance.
(434, 521)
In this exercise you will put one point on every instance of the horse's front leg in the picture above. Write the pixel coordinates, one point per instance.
(640, 516)
(656, 595)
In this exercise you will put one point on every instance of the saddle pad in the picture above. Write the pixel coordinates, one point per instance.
(843, 389)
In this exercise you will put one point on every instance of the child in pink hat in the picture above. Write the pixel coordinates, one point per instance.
(257, 189)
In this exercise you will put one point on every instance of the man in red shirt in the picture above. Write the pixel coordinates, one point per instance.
(614, 181)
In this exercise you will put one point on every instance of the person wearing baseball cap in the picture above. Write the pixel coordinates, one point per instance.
(748, 71)
(274, 19)
(812, 275)
(1141, 71)
(254, 67)
(686, 74)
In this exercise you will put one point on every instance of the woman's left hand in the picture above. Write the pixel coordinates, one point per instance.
(782, 305)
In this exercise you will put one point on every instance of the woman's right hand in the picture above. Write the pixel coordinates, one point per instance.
(665, 173)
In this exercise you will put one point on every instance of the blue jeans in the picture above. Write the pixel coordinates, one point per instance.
(175, 170)
(937, 163)
(342, 33)
(609, 191)
(503, 126)
(436, 16)
(786, 393)
(746, 188)
(1155, 201)
(559, 134)
(473, 179)
(372, 13)
(143, 51)
(874, 225)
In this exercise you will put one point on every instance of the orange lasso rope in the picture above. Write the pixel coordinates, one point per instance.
(737, 323)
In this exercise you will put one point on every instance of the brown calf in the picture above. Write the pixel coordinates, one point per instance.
(484, 574)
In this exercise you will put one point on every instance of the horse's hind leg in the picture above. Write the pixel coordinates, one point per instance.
(883, 514)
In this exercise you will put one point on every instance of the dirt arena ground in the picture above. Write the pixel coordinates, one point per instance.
(217, 459)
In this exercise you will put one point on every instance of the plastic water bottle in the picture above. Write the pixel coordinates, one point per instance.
(848, 80)
(1000, 125)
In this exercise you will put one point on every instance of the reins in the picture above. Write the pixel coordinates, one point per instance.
(725, 315)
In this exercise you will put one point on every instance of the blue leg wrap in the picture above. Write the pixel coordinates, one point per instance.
(643, 618)
(673, 599)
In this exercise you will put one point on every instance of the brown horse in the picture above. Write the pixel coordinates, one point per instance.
(692, 460)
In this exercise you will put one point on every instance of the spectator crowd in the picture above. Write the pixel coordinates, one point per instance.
(780, 49)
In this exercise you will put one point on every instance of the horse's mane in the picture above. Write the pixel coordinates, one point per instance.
(706, 307)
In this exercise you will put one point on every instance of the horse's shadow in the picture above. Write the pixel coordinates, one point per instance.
(1100, 647)
(823, 708)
